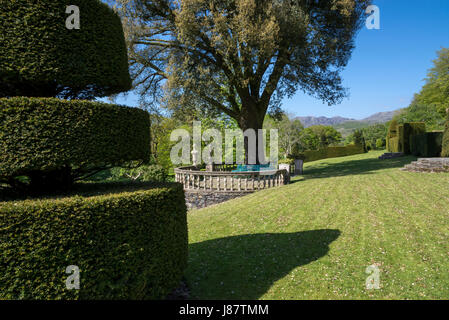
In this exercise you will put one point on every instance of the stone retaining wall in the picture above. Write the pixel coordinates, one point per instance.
(202, 199)
(428, 165)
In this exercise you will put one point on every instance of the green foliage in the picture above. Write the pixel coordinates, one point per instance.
(411, 129)
(289, 133)
(41, 57)
(358, 137)
(435, 93)
(427, 144)
(398, 137)
(319, 137)
(380, 144)
(154, 173)
(373, 133)
(393, 144)
(39, 136)
(129, 242)
(392, 128)
(445, 151)
(290, 161)
(273, 56)
(333, 152)
(419, 112)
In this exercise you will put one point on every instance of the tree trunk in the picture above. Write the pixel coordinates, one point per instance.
(251, 118)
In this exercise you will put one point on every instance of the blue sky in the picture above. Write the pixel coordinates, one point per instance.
(387, 66)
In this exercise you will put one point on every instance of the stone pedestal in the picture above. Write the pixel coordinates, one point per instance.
(285, 166)
(298, 166)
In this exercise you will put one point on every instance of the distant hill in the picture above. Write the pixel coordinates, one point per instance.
(313, 121)
(380, 117)
(347, 123)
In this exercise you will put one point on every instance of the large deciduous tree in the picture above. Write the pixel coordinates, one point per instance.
(239, 56)
(436, 90)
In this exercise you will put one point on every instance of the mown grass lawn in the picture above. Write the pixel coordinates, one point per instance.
(314, 238)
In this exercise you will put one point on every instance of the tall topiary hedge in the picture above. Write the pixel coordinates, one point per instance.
(40, 57)
(411, 129)
(398, 136)
(392, 134)
(47, 136)
(128, 243)
(427, 144)
(47, 144)
(445, 151)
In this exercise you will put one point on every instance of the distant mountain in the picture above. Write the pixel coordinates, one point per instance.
(380, 117)
(313, 121)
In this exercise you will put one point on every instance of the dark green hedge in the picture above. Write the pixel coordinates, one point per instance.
(128, 244)
(411, 129)
(45, 134)
(445, 147)
(41, 57)
(398, 138)
(393, 144)
(426, 145)
(333, 152)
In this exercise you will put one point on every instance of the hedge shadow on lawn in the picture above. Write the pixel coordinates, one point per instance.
(246, 266)
(354, 167)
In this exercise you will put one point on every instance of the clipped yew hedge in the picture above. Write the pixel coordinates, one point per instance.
(393, 144)
(333, 152)
(46, 134)
(40, 57)
(399, 137)
(445, 147)
(428, 144)
(129, 242)
(409, 130)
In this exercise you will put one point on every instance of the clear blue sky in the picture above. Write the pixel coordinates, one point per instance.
(387, 65)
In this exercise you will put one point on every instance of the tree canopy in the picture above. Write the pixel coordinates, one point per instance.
(239, 56)
(319, 137)
(436, 89)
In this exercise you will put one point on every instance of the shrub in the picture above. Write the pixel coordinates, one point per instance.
(41, 137)
(41, 57)
(289, 161)
(129, 242)
(380, 144)
(428, 144)
(155, 173)
(445, 143)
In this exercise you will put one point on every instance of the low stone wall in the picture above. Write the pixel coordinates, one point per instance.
(428, 165)
(202, 199)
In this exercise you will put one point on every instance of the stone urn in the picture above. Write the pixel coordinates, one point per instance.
(285, 166)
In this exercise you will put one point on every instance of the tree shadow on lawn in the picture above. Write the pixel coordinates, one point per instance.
(353, 167)
(246, 266)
